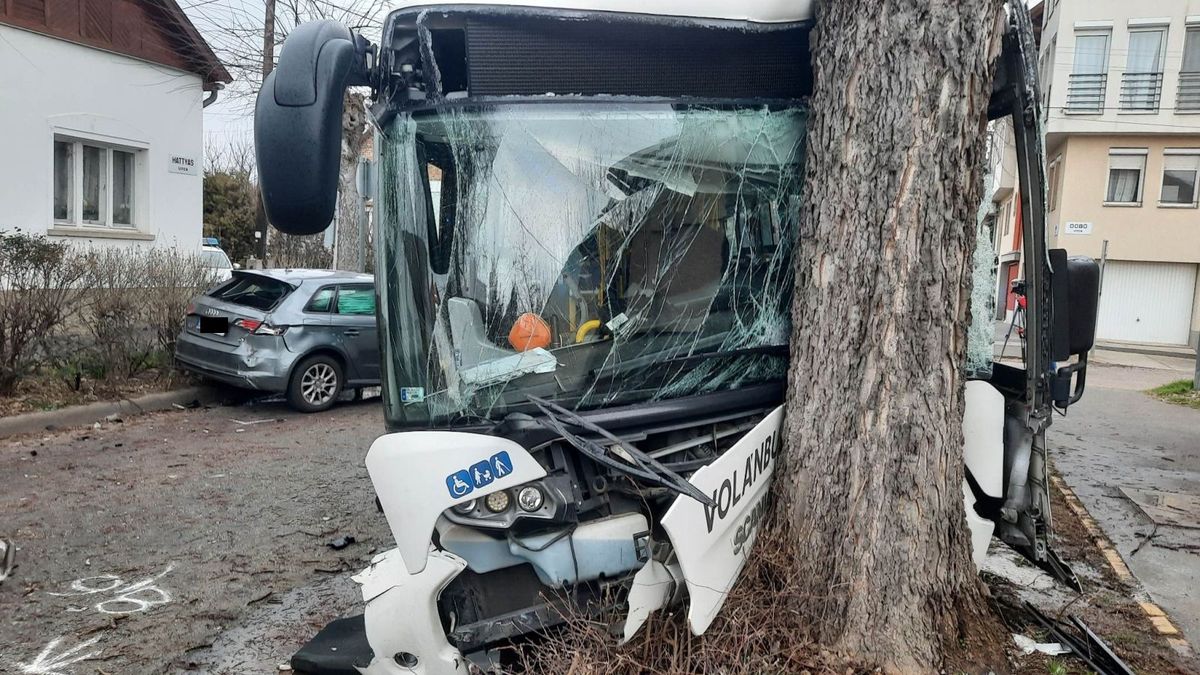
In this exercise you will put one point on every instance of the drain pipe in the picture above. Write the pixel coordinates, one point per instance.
(212, 95)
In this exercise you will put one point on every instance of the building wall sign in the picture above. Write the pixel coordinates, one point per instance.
(184, 165)
(1077, 228)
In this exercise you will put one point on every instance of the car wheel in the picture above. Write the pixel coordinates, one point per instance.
(316, 384)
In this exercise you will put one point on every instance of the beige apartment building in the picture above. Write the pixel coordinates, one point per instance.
(1121, 100)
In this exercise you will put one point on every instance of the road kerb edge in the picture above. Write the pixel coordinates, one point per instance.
(1154, 614)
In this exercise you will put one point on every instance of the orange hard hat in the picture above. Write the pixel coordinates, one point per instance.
(529, 331)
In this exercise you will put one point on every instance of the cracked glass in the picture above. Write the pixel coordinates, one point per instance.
(593, 254)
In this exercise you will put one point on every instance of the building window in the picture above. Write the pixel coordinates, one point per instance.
(1089, 75)
(1179, 178)
(1189, 74)
(64, 190)
(1141, 85)
(1053, 182)
(1125, 171)
(94, 184)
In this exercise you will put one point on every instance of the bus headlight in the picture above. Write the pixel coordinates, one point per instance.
(497, 502)
(530, 498)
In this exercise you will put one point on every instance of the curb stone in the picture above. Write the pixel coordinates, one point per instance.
(1154, 614)
(80, 415)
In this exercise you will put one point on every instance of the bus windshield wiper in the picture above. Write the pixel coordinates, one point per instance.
(638, 464)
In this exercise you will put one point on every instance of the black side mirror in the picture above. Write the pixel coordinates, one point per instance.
(298, 124)
(1075, 292)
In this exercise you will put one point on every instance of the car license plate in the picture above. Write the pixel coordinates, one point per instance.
(214, 324)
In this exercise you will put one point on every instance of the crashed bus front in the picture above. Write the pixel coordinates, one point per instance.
(586, 218)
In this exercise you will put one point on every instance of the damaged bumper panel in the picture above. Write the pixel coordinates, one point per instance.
(402, 622)
(400, 632)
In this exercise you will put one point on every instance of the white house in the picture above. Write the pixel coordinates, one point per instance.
(101, 125)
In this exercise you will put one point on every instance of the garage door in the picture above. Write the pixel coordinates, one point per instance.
(1147, 302)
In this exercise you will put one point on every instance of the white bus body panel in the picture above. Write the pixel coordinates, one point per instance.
(753, 11)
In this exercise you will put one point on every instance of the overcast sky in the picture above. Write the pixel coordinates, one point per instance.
(234, 30)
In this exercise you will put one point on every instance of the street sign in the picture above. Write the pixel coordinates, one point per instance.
(1077, 228)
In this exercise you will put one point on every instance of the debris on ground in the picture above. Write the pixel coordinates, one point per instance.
(1086, 645)
(8, 553)
(1028, 645)
(341, 542)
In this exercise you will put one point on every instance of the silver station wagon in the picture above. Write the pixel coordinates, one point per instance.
(307, 333)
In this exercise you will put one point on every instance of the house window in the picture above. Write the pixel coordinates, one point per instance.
(1179, 178)
(1141, 85)
(1189, 74)
(1054, 180)
(64, 171)
(94, 184)
(1125, 171)
(1088, 81)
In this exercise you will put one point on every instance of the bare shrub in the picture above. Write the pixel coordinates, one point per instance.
(39, 287)
(287, 250)
(135, 305)
(759, 630)
(173, 278)
(114, 315)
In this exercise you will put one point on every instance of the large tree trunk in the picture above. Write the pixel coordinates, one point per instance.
(351, 243)
(872, 481)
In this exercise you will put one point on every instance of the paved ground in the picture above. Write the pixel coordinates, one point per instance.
(159, 544)
(195, 541)
(1118, 437)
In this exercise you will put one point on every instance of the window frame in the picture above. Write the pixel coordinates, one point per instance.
(75, 182)
(1107, 34)
(1162, 46)
(1194, 154)
(1141, 187)
(1054, 182)
(1191, 37)
(332, 300)
(356, 285)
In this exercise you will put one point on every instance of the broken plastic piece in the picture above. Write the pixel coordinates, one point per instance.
(1028, 645)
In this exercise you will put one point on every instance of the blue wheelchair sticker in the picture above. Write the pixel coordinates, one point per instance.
(459, 484)
(501, 464)
(464, 481)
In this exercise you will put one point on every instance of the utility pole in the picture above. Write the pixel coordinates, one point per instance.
(268, 65)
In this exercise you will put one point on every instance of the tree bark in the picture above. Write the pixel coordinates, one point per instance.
(872, 480)
(350, 220)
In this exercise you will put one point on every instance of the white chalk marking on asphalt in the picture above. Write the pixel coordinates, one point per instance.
(127, 599)
(47, 663)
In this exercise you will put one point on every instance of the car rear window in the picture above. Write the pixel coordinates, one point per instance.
(321, 300)
(253, 290)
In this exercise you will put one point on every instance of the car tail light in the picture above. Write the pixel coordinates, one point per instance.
(259, 327)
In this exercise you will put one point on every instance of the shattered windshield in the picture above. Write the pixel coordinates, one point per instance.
(588, 254)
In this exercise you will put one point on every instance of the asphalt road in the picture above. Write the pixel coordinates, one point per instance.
(1119, 439)
(168, 543)
(196, 541)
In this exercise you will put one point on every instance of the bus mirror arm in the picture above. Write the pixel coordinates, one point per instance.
(1075, 292)
(1061, 391)
(298, 124)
